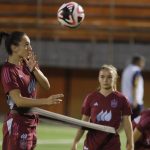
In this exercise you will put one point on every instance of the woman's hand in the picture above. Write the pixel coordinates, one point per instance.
(31, 61)
(74, 146)
(54, 99)
(129, 146)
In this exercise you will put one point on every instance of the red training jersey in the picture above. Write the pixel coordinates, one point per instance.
(142, 123)
(17, 77)
(104, 110)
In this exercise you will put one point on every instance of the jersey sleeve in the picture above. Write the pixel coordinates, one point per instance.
(126, 108)
(143, 123)
(86, 109)
(9, 80)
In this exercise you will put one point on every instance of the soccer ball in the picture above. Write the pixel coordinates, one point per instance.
(70, 14)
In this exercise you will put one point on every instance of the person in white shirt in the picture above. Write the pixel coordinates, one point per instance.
(132, 84)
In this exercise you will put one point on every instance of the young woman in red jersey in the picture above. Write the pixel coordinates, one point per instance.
(141, 125)
(19, 76)
(106, 106)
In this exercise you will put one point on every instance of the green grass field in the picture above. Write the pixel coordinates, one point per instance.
(58, 137)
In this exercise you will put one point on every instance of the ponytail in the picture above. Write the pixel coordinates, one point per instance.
(3, 35)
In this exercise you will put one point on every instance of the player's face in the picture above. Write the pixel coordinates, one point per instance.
(106, 79)
(142, 64)
(24, 48)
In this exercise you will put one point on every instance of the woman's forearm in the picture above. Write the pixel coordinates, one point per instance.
(41, 79)
(129, 132)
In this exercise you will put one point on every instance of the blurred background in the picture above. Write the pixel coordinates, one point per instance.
(113, 31)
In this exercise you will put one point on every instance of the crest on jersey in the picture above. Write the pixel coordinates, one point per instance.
(114, 103)
(23, 141)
